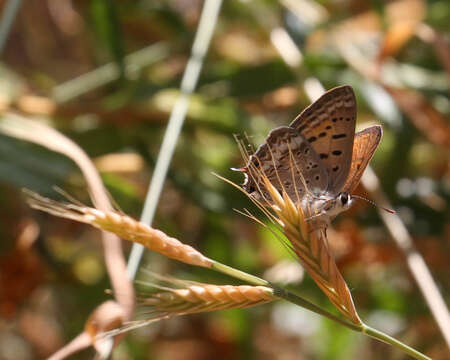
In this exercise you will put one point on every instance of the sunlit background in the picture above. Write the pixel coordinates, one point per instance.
(107, 74)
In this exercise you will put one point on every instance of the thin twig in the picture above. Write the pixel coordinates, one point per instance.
(191, 74)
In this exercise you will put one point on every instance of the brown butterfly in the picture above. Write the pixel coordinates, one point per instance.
(318, 160)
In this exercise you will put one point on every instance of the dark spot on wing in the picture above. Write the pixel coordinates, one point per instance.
(312, 139)
(306, 150)
(339, 136)
(358, 166)
(334, 119)
(323, 156)
(337, 152)
(317, 177)
(336, 168)
(328, 127)
(322, 134)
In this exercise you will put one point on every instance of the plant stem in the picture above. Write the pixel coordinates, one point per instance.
(376, 334)
(238, 274)
(295, 299)
(282, 293)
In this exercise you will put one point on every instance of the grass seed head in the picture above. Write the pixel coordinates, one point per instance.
(123, 226)
(306, 240)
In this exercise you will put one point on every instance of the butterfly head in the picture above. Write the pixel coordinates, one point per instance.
(327, 207)
(344, 201)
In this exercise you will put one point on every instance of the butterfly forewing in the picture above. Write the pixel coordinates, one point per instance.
(364, 146)
(289, 163)
(329, 126)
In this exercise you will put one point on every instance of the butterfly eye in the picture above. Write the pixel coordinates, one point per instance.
(344, 198)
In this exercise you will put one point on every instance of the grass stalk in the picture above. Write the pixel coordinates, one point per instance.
(297, 300)
(281, 293)
(376, 334)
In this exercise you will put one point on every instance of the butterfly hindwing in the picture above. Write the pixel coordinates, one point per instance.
(289, 162)
(364, 146)
(329, 126)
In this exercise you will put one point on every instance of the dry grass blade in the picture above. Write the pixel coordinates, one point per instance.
(123, 226)
(44, 135)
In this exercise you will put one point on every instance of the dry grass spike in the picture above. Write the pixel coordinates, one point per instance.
(123, 226)
(190, 297)
(304, 239)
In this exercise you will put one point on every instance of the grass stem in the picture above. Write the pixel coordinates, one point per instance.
(282, 293)
(376, 334)
(295, 299)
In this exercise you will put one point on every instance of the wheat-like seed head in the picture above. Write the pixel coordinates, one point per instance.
(190, 298)
(206, 297)
(123, 226)
(307, 242)
(312, 248)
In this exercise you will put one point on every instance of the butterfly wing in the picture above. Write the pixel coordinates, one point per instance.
(329, 126)
(364, 146)
(289, 162)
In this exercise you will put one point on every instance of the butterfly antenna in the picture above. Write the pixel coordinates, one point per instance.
(390, 211)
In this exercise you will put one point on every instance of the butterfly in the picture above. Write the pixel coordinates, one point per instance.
(318, 160)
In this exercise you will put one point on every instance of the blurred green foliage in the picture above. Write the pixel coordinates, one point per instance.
(245, 89)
